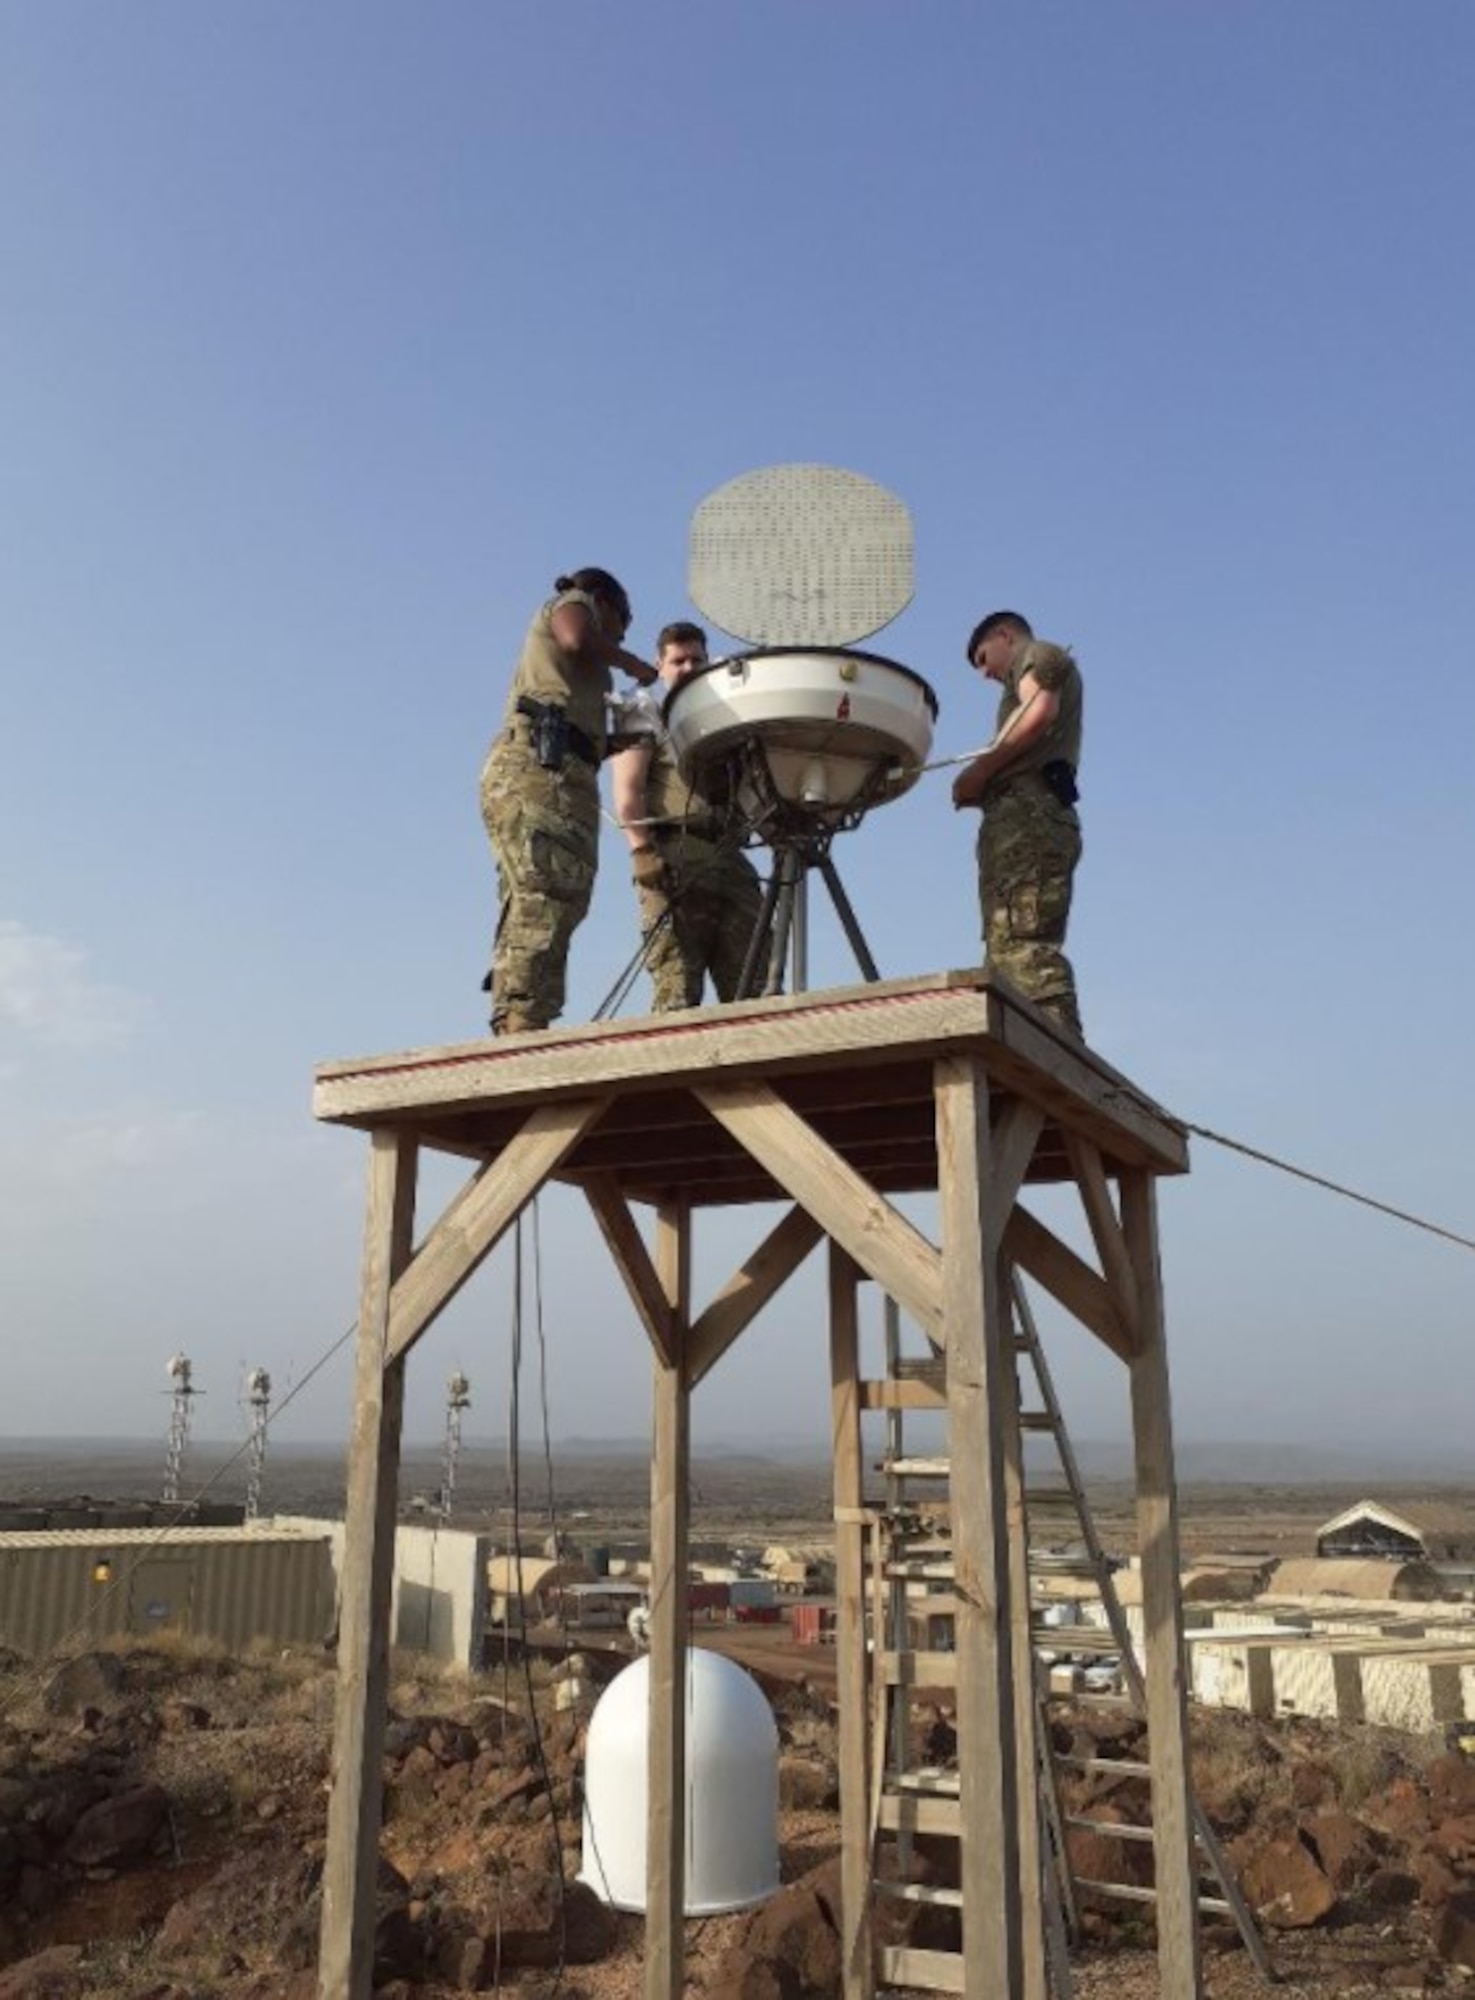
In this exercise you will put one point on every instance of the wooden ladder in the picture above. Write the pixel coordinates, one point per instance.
(915, 1796)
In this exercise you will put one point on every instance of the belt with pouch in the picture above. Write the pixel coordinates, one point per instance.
(543, 713)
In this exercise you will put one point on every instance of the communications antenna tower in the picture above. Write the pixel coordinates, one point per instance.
(258, 1396)
(458, 1401)
(181, 1410)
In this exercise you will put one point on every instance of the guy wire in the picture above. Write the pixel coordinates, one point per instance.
(1333, 1187)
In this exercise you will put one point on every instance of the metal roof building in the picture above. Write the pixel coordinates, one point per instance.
(1427, 1530)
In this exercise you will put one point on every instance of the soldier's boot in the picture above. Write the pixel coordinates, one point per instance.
(1062, 1009)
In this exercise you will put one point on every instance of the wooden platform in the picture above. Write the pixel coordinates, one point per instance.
(829, 1102)
(856, 1063)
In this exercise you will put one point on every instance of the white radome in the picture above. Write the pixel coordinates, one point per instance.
(833, 726)
(732, 1856)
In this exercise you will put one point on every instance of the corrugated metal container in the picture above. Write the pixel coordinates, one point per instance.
(75, 1585)
(746, 1593)
(813, 1622)
(707, 1600)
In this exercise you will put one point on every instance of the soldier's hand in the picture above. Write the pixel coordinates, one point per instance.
(638, 669)
(649, 869)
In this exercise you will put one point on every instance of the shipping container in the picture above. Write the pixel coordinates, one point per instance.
(74, 1586)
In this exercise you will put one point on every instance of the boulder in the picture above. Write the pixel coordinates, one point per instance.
(807, 1785)
(91, 1680)
(1391, 1889)
(1454, 1934)
(1284, 1885)
(789, 1948)
(49, 1975)
(1346, 1850)
(119, 1830)
(1451, 1782)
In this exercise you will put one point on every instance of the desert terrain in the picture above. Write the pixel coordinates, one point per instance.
(163, 1806)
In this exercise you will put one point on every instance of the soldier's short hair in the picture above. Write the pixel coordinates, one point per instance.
(997, 621)
(680, 632)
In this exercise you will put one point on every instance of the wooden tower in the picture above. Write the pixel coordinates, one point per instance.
(832, 1101)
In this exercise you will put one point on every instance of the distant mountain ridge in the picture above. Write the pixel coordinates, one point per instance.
(1200, 1462)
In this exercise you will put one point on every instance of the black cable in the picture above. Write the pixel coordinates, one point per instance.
(731, 842)
(1333, 1187)
(514, 1450)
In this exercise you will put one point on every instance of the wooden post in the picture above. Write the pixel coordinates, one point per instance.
(1179, 1958)
(1006, 1418)
(665, 1887)
(850, 1630)
(976, 1333)
(350, 1869)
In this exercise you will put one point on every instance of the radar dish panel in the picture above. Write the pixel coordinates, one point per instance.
(801, 555)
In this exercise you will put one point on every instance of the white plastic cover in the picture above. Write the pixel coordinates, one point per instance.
(828, 724)
(731, 1789)
(801, 555)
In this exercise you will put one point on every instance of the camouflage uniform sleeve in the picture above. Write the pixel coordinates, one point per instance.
(1051, 666)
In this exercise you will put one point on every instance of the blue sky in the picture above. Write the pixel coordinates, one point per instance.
(332, 334)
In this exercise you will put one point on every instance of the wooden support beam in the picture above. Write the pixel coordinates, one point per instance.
(1027, 1720)
(476, 1219)
(351, 1863)
(1066, 1277)
(1015, 1135)
(632, 1260)
(665, 1891)
(978, 1338)
(1179, 1953)
(885, 1245)
(856, 1979)
(749, 1290)
(1106, 1230)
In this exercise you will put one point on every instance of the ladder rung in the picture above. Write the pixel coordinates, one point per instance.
(1112, 1829)
(1130, 1892)
(1120, 1766)
(916, 1468)
(921, 1569)
(919, 1892)
(928, 1779)
(1075, 1638)
(913, 1814)
(921, 1368)
(908, 1966)
(1036, 1420)
(912, 1669)
(883, 1395)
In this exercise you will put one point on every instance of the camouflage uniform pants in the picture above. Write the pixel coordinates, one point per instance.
(715, 904)
(1028, 848)
(544, 830)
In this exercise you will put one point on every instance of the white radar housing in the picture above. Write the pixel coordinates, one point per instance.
(732, 1858)
(838, 730)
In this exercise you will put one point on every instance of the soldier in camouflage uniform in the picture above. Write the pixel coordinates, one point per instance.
(699, 895)
(1030, 840)
(540, 792)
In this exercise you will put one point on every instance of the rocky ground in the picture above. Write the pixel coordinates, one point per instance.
(162, 1813)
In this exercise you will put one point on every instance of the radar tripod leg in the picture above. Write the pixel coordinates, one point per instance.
(847, 917)
(769, 942)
